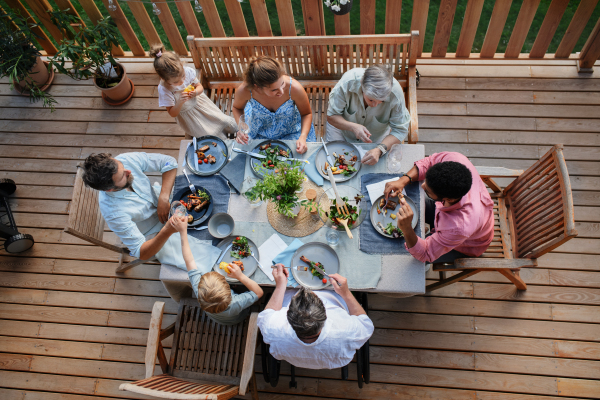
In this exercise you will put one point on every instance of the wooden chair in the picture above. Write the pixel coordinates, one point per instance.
(208, 360)
(317, 62)
(532, 216)
(86, 222)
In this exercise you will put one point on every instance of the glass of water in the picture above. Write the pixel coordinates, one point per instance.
(249, 193)
(333, 237)
(177, 209)
(394, 158)
(244, 127)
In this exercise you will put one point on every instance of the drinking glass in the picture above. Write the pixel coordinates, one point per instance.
(248, 192)
(333, 237)
(394, 158)
(244, 127)
(178, 210)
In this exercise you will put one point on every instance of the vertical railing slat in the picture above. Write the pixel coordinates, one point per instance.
(521, 28)
(212, 18)
(443, 28)
(314, 19)
(367, 17)
(286, 17)
(575, 29)
(546, 33)
(188, 16)
(171, 30)
(236, 16)
(495, 28)
(41, 36)
(125, 28)
(469, 28)
(342, 27)
(591, 49)
(261, 17)
(40, 8)
(144, 22)
(95, 15)
(419, 21)
(393, 12)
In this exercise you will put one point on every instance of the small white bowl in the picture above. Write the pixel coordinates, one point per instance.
(221, 225)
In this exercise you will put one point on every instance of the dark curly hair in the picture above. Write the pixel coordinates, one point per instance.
(449, 180)
(306, 313)
(99, 170)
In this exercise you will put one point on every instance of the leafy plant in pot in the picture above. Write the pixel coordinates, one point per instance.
(20, 60)
(339, 7)
(89, 50)
(280, 186)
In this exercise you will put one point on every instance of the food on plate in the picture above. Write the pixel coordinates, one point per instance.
(393, 216)
(196, 201)
(342, 165)
(190, 219)
(239, 264)
(211, 159)
(283, 153)
(391, 230)
(335, 217)
(391, 205)
(204, 149)
(265, 146)
(225, 267)
(313, 270)
(201, 155)
(241, 248)
(188, 89)
(272, 152)
(214, 144)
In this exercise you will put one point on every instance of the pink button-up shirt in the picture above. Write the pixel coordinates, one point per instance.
(467, 226)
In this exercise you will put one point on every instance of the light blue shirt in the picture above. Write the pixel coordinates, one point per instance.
(238, 308)
(132, 215)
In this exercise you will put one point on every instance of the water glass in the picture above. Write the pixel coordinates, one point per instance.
(333, 237)
(244, 127)
(178, 210)
(248, 192)
(394, 158)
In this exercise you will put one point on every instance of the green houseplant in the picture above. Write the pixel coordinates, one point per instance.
(20, 60)
(281, 187)
(86, 53)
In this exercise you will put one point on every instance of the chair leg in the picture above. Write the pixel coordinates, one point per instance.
(124, 267)
(359, 368)
(293, 383)
(264, 359)
(367, 363)
(515, 277)
(253, 388)
(345, 373)
(451, 280)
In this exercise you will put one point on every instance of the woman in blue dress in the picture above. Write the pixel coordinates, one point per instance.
(274, 104)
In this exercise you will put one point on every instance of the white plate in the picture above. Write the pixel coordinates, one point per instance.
(250, 263)
(339, 147)
(385, 219)
(317, 252)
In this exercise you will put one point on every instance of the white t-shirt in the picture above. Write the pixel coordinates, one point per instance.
(340, 337)
(166, 98)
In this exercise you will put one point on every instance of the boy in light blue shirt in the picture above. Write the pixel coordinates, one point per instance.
(212, 290)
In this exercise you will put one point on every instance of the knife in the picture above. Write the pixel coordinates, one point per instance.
(329, 159)
(251, 154)
(195, 154)
(223, 253)
(322, 271)
(280, 158)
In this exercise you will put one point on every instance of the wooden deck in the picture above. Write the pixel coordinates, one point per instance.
(71, 329)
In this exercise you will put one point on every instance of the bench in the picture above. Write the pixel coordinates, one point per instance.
(317, 62)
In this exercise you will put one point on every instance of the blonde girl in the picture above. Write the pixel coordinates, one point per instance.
(193, 110)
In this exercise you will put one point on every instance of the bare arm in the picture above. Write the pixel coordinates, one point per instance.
(340, 285)
(168, 179)
(281, 275)
(301, 99)
(190, 263)
(251, 285)
(242, 96)
(340, 122)
(153, 246)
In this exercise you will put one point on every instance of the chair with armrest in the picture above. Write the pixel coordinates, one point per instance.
(532, 216)
(208, 360)
(86, 222)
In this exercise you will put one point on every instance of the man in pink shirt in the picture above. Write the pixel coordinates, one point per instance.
(458, 209)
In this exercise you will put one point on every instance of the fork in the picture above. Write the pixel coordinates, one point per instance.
(192, 187)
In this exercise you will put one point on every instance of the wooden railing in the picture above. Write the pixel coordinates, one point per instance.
(177, 19)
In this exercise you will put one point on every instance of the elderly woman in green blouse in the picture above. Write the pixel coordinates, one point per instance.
(367, 105)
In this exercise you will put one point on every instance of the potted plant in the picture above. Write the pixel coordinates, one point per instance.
(20, 60)
(89, 51)
(280, 187)
(339, 7)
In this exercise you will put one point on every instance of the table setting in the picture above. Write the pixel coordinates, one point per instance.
(300, 216)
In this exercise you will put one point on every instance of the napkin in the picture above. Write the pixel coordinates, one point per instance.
(375, 190)
(311, 169)
(234, 172)
(285, 258)
(270, 249)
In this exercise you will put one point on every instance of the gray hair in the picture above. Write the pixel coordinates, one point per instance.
(377, 82)
(306, 313)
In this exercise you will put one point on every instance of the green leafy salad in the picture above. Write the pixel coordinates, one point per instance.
(240, 248)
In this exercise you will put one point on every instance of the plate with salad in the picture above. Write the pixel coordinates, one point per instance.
(384, 216)
(236, 249)
(199, 205)
(306, 257)
(271, 149)
(346, 160)
(355, 202)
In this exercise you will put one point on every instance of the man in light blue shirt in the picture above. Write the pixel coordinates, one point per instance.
(136, 211)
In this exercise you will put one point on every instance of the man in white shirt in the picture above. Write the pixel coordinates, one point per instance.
(136, 211)
(314, 330)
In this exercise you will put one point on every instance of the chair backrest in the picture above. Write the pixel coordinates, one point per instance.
(85, 219)
(541, 206)
(204, 349)
(304, 57)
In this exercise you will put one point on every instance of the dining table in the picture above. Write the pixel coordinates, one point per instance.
(397, 275)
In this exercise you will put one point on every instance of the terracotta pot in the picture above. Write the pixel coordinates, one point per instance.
(39, 76)
(119, 94)
(344, 9)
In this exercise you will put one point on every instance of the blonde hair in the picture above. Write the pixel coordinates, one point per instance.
(166, 63)
(263, 71)
(214, 294)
